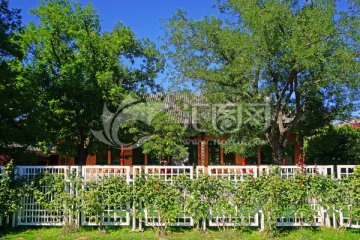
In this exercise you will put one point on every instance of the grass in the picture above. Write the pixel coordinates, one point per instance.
(88, 233)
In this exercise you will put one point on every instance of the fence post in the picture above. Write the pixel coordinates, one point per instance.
(341, 222)
(335, 225)
(262, 220)
(327, 217)
(134, 217)
(140, 218)
(204, 223)
(13, 220)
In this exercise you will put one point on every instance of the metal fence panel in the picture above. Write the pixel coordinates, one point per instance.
(345, 170)
(290, 218)
(346, 220)
(292, 170)
(183, 219)
(118, 216)
(169, 173)
(233, 173)
(240, 217)
(99, 172)
(31, 213)
(136, 171)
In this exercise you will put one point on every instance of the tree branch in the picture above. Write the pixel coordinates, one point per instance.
(55, 54)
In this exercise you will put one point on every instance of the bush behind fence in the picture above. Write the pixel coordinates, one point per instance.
(162, 196)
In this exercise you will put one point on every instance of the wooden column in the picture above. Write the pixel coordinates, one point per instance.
(122, 160)
(109, 157)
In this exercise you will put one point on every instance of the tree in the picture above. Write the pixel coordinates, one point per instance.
(77, 68)
(299, 58)
(165, 139)
(334, 145)
(16, 91)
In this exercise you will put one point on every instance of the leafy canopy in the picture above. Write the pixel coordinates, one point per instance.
(17, 95)
(77, 68)
(300, 58)
(334, 145)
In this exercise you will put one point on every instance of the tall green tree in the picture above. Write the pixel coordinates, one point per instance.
(78, 68)
(301, 58)
(17, 95)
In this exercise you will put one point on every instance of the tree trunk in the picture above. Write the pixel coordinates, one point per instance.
(278, 154)
(278, 141)
(83, 151)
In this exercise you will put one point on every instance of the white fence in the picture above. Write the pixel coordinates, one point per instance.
(99, 172)
(31, 213)
(112, 216)
(346, 220)
(136, 171)
(345, 170)
(238, 217)
(290, 218)
(292, 170)
(169, 173)
(183, 219)
(233, 173)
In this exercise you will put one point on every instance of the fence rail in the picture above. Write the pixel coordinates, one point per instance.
(168, 173)
(345, 219)
(233, 173)
(239, 217)
(32, 214)
(292, 170)
(345, 170)
(99, 172)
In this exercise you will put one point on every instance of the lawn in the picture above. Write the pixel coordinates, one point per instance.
(176, 233)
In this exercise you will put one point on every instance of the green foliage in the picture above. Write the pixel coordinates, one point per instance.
(302, 195)
(204, 191)
(17, 93)
(108, 193)
(270, 191)
(76, 68)
(349, 195)
(300, 58)
(334, 145)
(160, 198)
(165, 139)
(59, 195)
(11, 191)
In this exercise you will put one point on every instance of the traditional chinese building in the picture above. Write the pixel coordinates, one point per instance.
(203, 149)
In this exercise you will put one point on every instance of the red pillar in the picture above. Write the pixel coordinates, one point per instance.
(122, 156)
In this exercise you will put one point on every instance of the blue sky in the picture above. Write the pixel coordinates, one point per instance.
(142, 16)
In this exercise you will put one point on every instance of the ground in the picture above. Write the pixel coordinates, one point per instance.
(176, 233)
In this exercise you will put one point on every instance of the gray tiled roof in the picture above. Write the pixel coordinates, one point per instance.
(182, 107)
